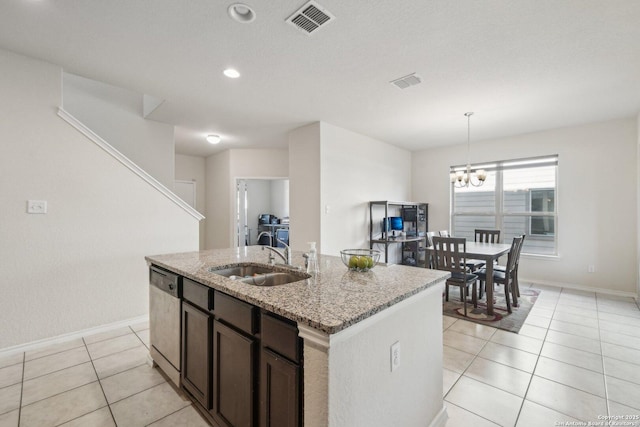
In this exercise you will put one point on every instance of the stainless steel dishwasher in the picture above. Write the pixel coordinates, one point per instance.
(164, 321)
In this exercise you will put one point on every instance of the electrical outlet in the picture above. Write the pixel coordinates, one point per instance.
(591, 268)
(36, 206)
(395, 356)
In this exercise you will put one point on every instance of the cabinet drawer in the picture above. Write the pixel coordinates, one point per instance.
(196, 293)
(280, 336)
(235, 312)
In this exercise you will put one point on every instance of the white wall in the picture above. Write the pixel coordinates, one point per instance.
(259, 202)
(355, 170)
(638, 205)
(222, 170)
(304, 186)
(115, 114)
(334, 173)
(280, 197)
(82, 264)
(192, 168)
(217, 201)
(597, 199)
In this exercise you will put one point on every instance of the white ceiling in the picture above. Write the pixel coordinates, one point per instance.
(521, 66)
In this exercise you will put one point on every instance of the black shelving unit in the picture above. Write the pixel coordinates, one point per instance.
(412, 244)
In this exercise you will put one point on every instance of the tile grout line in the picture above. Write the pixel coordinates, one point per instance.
(604, 369)
(99, 383)
(462, 374)
(476, 356)
(24, 356)
(533, 372)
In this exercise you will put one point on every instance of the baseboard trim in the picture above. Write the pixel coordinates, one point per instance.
(36, 345)
(440, 420)
(579, 287)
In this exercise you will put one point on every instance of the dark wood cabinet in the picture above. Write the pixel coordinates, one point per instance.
(279, 391)
(233, 377)
(196, 353)
(280, 373)
(241, 366)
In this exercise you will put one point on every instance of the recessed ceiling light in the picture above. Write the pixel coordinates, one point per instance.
(231, 73)
(242, 13)
(213, 139)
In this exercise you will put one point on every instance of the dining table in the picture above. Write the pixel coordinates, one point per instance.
(487, 252)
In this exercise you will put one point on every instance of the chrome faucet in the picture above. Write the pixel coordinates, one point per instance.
(266, 233)
(286, 257)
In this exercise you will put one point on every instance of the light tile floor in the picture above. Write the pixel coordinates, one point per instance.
(577, 358)
(102, 380)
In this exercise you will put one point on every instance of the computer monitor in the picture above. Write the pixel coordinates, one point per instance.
(393, 223)
(397, 223)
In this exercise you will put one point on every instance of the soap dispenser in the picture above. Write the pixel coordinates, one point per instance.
(312, 260)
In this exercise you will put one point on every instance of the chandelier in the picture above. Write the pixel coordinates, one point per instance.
(476, 178)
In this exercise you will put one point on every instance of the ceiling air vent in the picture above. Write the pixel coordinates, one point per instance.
(406, 81)
(310, 17)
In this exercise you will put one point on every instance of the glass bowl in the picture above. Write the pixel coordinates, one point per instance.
(360, 259)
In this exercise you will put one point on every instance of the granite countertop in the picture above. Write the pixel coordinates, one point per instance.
(335, 300)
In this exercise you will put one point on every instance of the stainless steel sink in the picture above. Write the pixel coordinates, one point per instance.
(274, 279)
(258, 275)
(242, 270)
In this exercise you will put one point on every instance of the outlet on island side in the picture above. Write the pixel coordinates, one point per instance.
(395, 356)
(591, 268)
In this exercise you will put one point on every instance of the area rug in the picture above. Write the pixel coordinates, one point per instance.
(501, 319)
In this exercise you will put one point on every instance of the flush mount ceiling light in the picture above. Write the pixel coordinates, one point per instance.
(213, 139)
(231, 73)
(461, 178)
(242, 13)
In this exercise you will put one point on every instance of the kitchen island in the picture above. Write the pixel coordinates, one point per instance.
(348, 322)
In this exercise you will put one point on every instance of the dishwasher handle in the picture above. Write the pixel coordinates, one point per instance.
(165, 281)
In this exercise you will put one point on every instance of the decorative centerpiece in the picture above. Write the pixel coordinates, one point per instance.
(360, 259)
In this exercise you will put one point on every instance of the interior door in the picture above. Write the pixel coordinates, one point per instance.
(242, 226)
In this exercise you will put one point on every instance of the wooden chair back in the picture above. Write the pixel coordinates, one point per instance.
(487, 236)
(514, 256)
(430, 235)
(449, 254)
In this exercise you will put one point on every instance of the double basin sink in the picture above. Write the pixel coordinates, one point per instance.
(259, 275)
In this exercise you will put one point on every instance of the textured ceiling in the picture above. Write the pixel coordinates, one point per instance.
(521, 66)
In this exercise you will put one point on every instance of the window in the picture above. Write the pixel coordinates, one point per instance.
(518, 197)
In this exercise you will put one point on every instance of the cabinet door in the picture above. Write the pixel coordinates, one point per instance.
(279, 391)
(196, 353)
(233, 377)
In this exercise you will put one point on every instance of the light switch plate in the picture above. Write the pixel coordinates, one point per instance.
(37, 206)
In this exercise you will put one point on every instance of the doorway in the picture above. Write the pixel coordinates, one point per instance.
(256, 197)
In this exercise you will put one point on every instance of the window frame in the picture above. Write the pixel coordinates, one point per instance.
(499, 212)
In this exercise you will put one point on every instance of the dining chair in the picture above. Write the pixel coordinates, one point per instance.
(506, 277)
(482, 236)
(502, 268)
(444, 233)
(449, 255)
(487, 236)
(430, 235)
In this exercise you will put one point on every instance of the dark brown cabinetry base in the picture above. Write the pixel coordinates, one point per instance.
(233, 377)
(196, 353)
(241, 367)
(279, 391)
